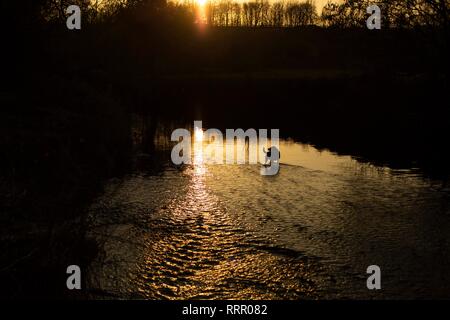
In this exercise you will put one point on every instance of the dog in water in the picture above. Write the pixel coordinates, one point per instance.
(276, 155)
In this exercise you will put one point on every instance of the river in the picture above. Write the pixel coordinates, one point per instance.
(226, 232)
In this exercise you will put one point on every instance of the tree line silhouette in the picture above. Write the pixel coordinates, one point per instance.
(395, 13)
(260, 13)
(257, 13)
(343, 14)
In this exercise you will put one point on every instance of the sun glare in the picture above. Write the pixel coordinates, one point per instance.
(201, 2)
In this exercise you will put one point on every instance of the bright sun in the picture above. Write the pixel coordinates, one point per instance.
(201, 2)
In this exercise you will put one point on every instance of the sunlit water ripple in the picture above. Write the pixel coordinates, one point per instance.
(225, 231)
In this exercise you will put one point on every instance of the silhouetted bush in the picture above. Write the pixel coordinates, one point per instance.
(395, 13)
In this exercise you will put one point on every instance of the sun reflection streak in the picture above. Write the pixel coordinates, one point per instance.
(199, 165)
(198, 134)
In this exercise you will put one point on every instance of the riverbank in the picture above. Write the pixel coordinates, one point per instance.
(55, 154)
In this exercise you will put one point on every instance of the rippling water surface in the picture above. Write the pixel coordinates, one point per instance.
(225, 231)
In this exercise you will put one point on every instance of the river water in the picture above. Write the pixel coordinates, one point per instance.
(226, 232)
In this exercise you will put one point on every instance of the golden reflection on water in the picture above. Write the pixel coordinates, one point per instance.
(225, 231)
(199, 165)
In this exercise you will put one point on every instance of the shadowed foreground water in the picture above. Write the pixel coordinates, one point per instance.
(226, 232)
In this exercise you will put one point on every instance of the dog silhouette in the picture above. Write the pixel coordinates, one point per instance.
(272, 150)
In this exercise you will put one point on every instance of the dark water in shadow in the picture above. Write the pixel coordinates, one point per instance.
(226, 232)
